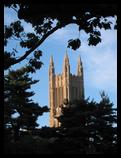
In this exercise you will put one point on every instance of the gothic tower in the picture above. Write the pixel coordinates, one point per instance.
(64, 86)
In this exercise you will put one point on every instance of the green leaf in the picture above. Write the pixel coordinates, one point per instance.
(74, 44)
(37, 54)
(106, 25)
(93, 40)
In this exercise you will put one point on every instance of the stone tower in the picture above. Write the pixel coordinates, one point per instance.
(64, 86)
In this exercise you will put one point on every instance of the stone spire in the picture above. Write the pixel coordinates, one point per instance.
(51, 60)
(79, 67)
(66, 65)
(51, 68)
(66, 59)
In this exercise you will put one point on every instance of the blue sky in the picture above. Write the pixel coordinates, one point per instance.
(100, 63)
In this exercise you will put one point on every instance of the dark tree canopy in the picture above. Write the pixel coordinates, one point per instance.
(17, 101)
(90, 126)
(87, 127)
(47, 18)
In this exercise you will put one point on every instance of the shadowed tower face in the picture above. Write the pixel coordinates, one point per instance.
(64, 86)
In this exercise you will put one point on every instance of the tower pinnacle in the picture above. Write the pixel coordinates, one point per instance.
(51, 60)
(79, 60)
(51, 68)
(79, 67)
(66, 65)
(66, 59)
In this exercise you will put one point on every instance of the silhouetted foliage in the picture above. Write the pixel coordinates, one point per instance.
(20, 111)
(87, 127)
(91, 125)
(74, 44)
(47, 18)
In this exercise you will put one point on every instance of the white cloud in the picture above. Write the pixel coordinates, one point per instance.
(27, 27)
(109, 37)
(60, 33)
(100, 62)
(103, 72)
(65, 33)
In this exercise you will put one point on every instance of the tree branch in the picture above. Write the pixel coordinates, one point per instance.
(35, 46)
(40, 42)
